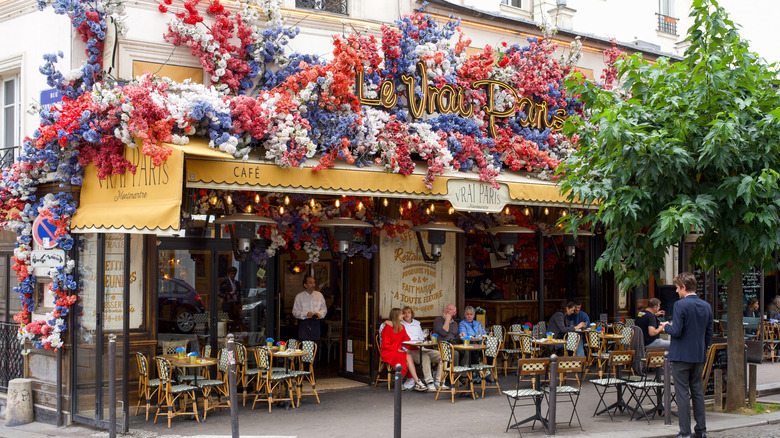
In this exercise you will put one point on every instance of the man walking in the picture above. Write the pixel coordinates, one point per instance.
(691, 332)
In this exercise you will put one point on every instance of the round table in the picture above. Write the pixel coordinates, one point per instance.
(420, 345)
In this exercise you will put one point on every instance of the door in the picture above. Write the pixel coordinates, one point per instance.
(358, 353)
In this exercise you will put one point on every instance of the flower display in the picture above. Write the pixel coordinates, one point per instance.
(288, 108)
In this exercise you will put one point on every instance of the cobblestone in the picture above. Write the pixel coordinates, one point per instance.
(765, 431)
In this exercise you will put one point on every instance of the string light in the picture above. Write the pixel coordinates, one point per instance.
(546, 211)
(230, 200)
(312, 203)
(213, 200)
(428, 211)
(384, 202)
(286, 200)
(281, 210)
(452, 210)
(563, 213)
(360, 205)
(409, 205)
(248, 209)
(506, 210)
(257, 198)
(527, 211)
(433, 207)
(338, 203)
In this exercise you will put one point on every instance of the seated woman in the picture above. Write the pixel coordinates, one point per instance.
(473, 329)
(559, 325)
(751, 309)
(393, 337)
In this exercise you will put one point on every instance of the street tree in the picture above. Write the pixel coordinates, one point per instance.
(684, 146)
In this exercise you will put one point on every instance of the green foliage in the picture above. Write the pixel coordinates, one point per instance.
(681, 146)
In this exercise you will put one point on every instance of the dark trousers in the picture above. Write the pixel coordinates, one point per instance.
(688, 388)
(309, 330)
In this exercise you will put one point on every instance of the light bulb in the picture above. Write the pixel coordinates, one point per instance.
(409, 205)
(338, 203)
(563, 213)
(230, 200)
(506, 210)
(286, 200)
(433, 207)
(248, 209)
(360, 206)
(257, 198)
(452, 210)
(546, 211)
(213, 200)
(428, 211)
(312, 203)
(384, 202)
(527, 211)
(401, 210)
(281, 210)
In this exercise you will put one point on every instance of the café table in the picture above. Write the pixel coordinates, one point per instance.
(549, 344)
(471, 347)
(288, 356)
(606, 337)
(186, 363)
(420, 345)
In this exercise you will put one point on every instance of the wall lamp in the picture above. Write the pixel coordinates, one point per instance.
(343, 232)
(243, 233)
(508, 235)
(437, 236)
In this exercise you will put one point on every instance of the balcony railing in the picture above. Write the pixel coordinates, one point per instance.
(7, 156)
(333, 6)
(11, 365)
(667, 24)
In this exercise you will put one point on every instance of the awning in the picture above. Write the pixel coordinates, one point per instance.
(345, 179)
(148, 201)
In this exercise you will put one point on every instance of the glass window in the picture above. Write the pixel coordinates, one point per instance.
(335, 6)
(10, 123)
(515, 3)
(666, 7)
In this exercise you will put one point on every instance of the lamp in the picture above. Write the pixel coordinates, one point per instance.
(508, 239)
(437, 236)
(570, 242)
(343, 232)
(243, 235)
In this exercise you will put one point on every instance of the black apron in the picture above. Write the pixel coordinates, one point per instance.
(309, 329)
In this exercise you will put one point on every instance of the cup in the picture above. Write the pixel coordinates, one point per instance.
(549, 337)
(193, 359)
(466, 342)
(593, 326)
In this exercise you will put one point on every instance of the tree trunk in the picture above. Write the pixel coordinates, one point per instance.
(735, 347)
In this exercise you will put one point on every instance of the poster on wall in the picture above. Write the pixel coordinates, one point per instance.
(407, 280)
(114, 277)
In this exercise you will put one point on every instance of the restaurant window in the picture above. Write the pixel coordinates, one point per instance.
(10, 127)
(334, 6)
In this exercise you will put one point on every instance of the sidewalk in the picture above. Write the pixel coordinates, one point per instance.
(367, 411)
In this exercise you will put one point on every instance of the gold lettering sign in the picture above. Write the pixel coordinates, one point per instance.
(451, 99)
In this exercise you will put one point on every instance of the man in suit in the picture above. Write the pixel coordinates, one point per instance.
(691, 332)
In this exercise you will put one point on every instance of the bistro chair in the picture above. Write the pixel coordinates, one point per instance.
(332, 336)
(542, 327)
(292, 344)
(594, 348)
(170, 395)
(488, 365)
(628, 335)
(532, 368)
(630, 322)
(508, 353)
(640, 390)
(216, 387)
(306, 371)
(383, 366)
(617, 359)
(147, 388)
(272, 385)
(566, 366)
(527, 347)
(771, 340)
(572, 341)
(454, 373)
(245, 375)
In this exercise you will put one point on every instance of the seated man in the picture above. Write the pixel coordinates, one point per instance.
(447, 328)
(578, 316)
(773, 309)
(647, 321)
(428, 357)
(472, 328)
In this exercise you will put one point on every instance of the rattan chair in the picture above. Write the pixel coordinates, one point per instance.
(385, 367)
(771, 340)
(508, 353)
(246, 375)
(306, 371)
(147, 388)
(272, 385)
(454, 373)
(572, 341)
(171, 395)
(488, 365)
(216, 387)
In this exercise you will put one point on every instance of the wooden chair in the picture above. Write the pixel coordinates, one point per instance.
(170, 395)
(542, 327)
(147, 388)
(527, 347)
(572, 341)
(454, 373)
(383, 366)
(306, 371)
(771, 340)
(216, 387)
(272, 385)
(332, 336)
(488, 365)
(508, 353)
(245, 375)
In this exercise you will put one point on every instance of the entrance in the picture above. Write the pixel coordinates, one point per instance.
(359, 337)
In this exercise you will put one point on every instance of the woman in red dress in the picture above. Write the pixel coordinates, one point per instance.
(393, 337)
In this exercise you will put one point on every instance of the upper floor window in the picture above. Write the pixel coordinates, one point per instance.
(334, 6)
(515, 3)
(666, 22)
(10, 123)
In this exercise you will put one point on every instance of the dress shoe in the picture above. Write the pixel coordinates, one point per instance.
(700, 434)
(683, 436)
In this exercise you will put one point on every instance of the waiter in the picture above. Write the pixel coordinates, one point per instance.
(308, 309)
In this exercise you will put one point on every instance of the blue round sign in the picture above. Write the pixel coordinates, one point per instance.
(44, 233)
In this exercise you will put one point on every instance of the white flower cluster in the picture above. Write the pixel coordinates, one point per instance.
(429, 52)
(116, 14)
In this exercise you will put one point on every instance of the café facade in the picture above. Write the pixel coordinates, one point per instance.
(412, 166)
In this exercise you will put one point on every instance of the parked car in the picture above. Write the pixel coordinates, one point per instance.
(177, 305)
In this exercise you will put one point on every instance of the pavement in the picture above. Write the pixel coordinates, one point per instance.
(361, 411)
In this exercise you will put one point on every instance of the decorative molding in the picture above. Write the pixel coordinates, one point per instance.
(11, 64)
(163, 52)
(12, 9)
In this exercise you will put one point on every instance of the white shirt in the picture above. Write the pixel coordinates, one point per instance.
(414, 330)
(305, 303)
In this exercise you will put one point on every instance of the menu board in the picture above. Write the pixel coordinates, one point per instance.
(717, 358)
(751, 285)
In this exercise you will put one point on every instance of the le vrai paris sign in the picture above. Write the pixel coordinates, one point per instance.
(464, 195)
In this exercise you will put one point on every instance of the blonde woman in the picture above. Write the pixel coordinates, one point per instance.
(393, 337)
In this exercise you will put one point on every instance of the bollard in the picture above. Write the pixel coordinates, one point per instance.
(718, 376)
(112, 386)
(398, 382)
(231, 348)
(752, 384)
(19, 407)
(667, 390)
(553, 398)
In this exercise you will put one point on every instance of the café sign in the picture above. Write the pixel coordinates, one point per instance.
(469, 195)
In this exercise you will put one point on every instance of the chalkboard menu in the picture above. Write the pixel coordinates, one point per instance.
(716, 359)
(751, 285)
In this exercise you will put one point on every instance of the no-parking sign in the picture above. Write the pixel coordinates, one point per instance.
(44, 233)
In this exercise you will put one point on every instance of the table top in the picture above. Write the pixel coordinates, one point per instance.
(518, 333)
(421, 343)
(185, 363)
(611, 336)
(471, 346)
(546, 341)
(289, 353)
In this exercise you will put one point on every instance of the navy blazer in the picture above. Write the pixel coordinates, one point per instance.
(691, 331)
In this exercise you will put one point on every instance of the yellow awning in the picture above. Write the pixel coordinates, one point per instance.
(148, 201)
(347, 179)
